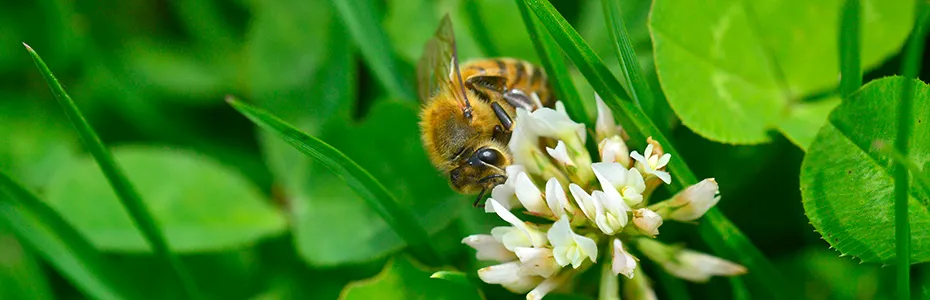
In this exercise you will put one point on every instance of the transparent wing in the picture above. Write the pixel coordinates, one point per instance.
(439, 65)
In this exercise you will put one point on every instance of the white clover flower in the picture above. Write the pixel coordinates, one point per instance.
(488, 248)
(691, 203)
(530, 196)
(534, 257)
(569, 247)
(623, 262)
(524, 144)
(605, 126)
(556, 124)
(610, 213)
(688, 264)
(560, 154)
(647, 221)
(520, 234)
(650, 163)
(613, 149)
(505, 193)
(620, 183)
(699, 267)
(584, 201)
(508, 276)
(556, 199)
(537, 261)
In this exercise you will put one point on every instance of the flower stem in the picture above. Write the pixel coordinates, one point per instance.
(910, 68)
(610, 285)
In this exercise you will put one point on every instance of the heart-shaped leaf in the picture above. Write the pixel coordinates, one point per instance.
(847, 184)
(733, 70)
(200, 204)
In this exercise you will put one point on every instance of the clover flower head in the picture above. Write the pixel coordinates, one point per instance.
(606, 209)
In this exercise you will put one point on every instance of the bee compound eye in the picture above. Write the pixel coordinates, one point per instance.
(489, 156)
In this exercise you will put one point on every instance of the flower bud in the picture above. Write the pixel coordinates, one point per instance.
(623, 262)
(647, 221)
(688, 264)
(605, 126)
(614, 149)
(694, 201)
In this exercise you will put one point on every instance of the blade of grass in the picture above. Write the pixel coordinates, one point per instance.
(639, 88)
(850, 66)
(63, 247)
(910, 67)
(359, 16)
(479, 31)
(715, 229)
(357, 178)
(551, 57)
(127, 194)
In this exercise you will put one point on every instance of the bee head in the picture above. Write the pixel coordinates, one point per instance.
(481, 170)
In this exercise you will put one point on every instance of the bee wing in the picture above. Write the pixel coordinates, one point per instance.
(439, 65)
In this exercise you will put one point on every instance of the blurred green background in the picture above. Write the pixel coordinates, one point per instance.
(253, 218)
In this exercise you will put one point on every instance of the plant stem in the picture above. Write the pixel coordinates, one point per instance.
(850, 65)
(910, 67)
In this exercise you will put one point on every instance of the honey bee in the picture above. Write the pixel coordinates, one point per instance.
(467, 113)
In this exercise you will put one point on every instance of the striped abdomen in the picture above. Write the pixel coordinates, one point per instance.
(521, 75)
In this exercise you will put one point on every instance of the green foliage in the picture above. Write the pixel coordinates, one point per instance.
(125, 192)
(733, 70)
(403, 279)
(362, 21)
(199, 204)
(847, 184)
(637, 87)
(554, 64)
(21, 275)
(36, 141)
(367, 187)
(49, 235)
(824, 276)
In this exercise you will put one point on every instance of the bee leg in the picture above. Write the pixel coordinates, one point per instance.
(502, 116)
